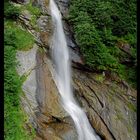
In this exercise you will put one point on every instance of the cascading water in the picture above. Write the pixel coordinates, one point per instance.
(60, 56)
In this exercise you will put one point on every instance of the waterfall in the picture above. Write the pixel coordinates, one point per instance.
(60, 56)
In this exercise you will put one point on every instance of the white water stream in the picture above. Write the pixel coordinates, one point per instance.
(60, 56)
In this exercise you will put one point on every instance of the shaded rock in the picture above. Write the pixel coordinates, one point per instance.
(58, 131)
(125, 47)
(21, 1)
(63, 6)
(26, 14)
(25, 20)
(43, 23)
(45, 26)
(65, 131)
(75, 58)
(36, 4)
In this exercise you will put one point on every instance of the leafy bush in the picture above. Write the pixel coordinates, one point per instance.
(17, 37)
(34, 11)
(99, 26)
(14, 38)
(13, 116)
(10, 11)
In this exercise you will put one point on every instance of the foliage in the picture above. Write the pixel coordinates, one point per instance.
(13, 116)
(10, 11)
(14, 38)
(99, 26)
(34, 11)
(17, 37)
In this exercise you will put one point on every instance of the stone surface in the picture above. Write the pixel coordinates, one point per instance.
(48, 95)
(27, 15)
(42, 4)
(43, 23)
(111, 110)
(63, 6)
(45, 39)
(40, 99)
(27, 60)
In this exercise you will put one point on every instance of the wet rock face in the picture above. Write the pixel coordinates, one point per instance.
(48, 95)
(63, 6)
(43, 23)
(41, 100)
(111, 106)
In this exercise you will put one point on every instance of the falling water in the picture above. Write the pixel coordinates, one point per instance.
(61, 61)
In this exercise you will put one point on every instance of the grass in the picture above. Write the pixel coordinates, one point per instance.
(24, 40)
(34, 11)
(15, 38)
(100, 78)
(132, 107)
(14, 119)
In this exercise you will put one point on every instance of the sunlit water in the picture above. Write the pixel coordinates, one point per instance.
(60, 56)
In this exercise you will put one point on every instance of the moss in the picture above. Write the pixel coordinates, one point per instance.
(100, 78)
(32, 9)
(24, 40)
(35, 12)
(129, 128)
(132, 107)
(15, 38)
(33, 22)
(119, 116)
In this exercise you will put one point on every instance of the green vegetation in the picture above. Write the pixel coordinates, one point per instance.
(34, 11)
(10, 11)
(132, 107)
(99, 27)
(100, 78)
(17, 36)
(14, 38)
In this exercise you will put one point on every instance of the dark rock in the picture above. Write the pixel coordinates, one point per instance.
(63, 6)
(125, 47)
(21, 1)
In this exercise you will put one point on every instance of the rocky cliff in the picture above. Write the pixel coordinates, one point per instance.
(110, 103)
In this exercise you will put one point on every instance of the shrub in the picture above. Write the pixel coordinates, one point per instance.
(17, 37)
(10, 11)
(98, 27)
(14, 38)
